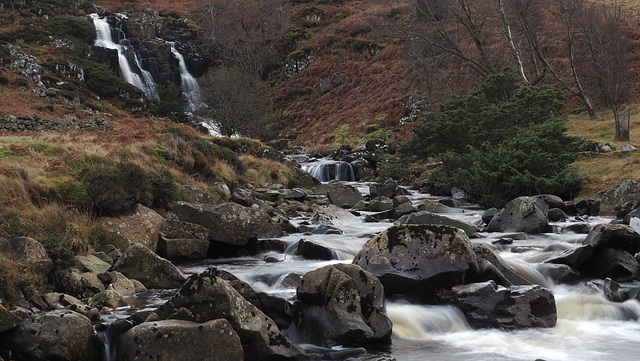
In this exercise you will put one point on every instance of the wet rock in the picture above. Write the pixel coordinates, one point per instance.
(616, 264)
(176, 340)
(552, 201)
(142, 226)
(487, 305)
(345, 197)
(278, 309)
(485, 255)
(61, 335)
(312, 250)
(425, 217)
(613, 292)
(618, 236)
(573, 257)
(436, 207)
(140, 263)
(209, 297)
(120, 284)
(556, 215)
(580, 227)
(342, 305)
(559, 273)
(30, 251)
(418, 260)
(388, 190)
(619, 200)
(307, 181)
(488, 214)
(229, 223)
(7, 320)
(523, 214)
(381, 204)
(332, 215)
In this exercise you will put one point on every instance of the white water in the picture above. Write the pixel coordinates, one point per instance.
(131, 73)
(326, 170)
(189, 84)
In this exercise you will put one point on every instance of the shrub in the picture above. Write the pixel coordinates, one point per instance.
(172, 102)
(500, 142)
(16, 276)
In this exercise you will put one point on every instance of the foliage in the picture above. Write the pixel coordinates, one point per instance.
(16, 276)
(500, 141)
(104, 82)
(172, 102)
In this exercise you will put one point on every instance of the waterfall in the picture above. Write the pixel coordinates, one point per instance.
(189, 84)
(131, 73)
(327, 171)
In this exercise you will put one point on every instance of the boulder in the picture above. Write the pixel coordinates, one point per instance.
(312, 250)
(487, 305)
(61, 335)
(278, 309)
(307, 181)
(332, 215)
(140, 263)
(619, 200)
(491, 264)
(388, 190)
(183, 249)
(559, 273)
(229, 223)
(616, 264)
(425, 217)
(107, 298)
(30, 251)
(93, 264)
(7, 319)
(618, 236)
(91, 282)
(575, 257)
(173, 229)
(342, 305)
(196, 195)
(381, 204)
(488, 215)
(142, 226)
(552, 201)
(57, 301)
(177, 340)
(417, 261)
(209, 297)
(345, 197)
(523, 214)
(556, 215)
(120, 284)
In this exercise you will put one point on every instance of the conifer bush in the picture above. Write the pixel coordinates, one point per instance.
(499, 142)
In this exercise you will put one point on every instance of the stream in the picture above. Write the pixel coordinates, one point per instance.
(589, 326)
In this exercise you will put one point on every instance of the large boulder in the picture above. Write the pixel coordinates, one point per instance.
(229, 223)
(177, 340)
(93, 264)
(206, 296)
(332, 215)
(140, 263)
(342, 305)
(523, 214)
(618, 236)
(616, 264)
(60, 335)
(345, 197)
(183, 249)
(7, 319)
(492, 267)
(487, 305)
(418, 260)
(142, 226)
(425, 217)
(30, 251)
(619, 200)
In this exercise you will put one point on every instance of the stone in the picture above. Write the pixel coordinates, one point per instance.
(107, 298)
(312, 250)
(628, 148)
(345, 197)
(140, 263)
(621, 198)
(559, 273)
(488, 214)
(58, 300)
(556, 215)
(416, 261)
(551, 200)
(196, 195)
(487, 305)
(229, 223)
(342, 305)
(93, 264)
(183, 249)
(177, 340)
(121, 284)
(380, 204)
(325, 85)
(91, 282)
(485, 254)
(618, 236)
(425, 217)
(278, 309)
(388, 190)
(332, 215)
(307, 181)
(210, 297)
(142, 226)
(575, 257)
(61, 335)
(30, 251)
(616, 264)
(173, 229)
(523, 214)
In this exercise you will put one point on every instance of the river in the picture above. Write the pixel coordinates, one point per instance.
(589, 326)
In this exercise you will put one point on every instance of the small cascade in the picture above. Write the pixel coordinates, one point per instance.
(131, 71)
(422, 322)
(327, 171)
(189, 84)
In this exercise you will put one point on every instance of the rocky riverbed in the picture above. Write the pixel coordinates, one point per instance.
(335, 270)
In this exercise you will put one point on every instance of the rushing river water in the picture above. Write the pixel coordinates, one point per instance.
(589, 326)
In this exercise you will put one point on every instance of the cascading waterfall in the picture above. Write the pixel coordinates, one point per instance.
(189, 84)
(131, 73)
(327, 171)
